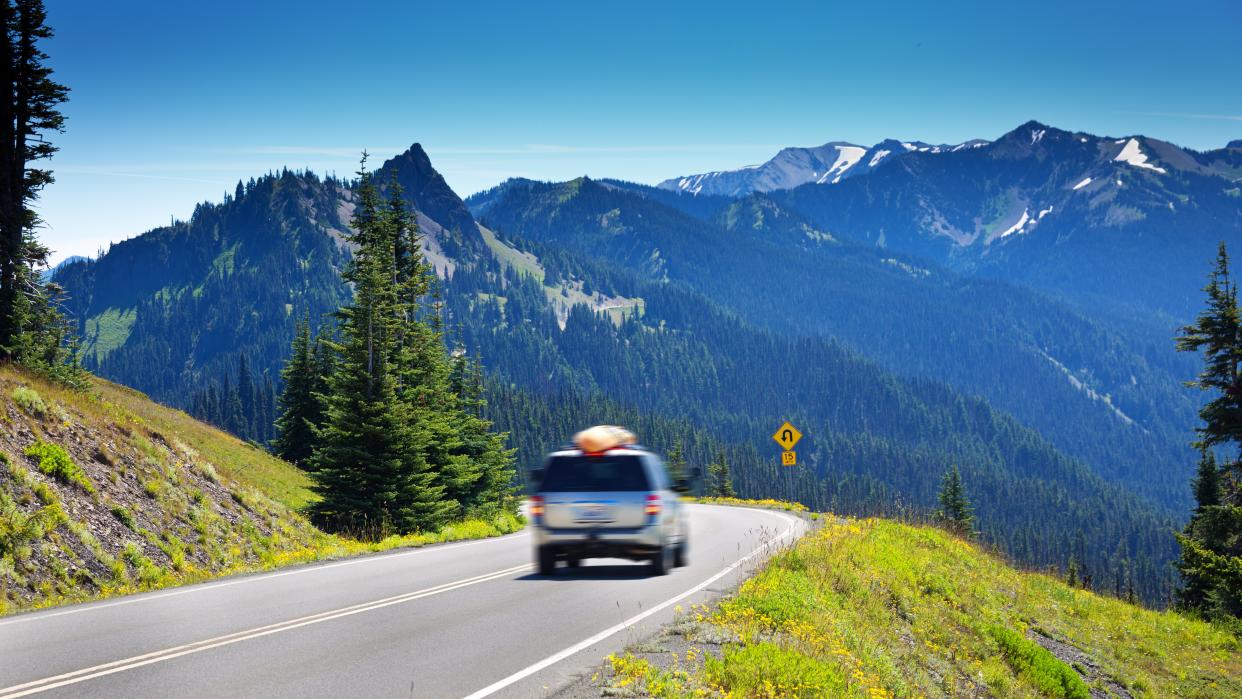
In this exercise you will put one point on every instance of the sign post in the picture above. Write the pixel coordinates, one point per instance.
(787, 436)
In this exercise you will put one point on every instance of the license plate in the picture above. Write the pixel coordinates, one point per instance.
(593, 513)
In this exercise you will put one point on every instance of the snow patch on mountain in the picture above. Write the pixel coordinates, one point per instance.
(1086, 181)
(1134, 155)
(916, 272)
(847, 157)
(879, 155)
(1017, 227)
(1082, 386)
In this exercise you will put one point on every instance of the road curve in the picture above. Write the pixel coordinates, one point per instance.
(459, 620)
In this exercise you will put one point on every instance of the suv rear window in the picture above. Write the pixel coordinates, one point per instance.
(584, 474)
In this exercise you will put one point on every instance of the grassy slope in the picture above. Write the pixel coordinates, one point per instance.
(873, 608)
(148, 497)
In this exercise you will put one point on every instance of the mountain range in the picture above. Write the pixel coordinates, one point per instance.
(826, 164)
(1121, 221)
(867, 308)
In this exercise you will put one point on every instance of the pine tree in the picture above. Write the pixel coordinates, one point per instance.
(1211, 543)
(370, 470)
(720, 480)
(1207, 483)
(246, 397)
(493, 490)
(443, 395)
(300, 409)
(955, 511)
(32, 330)
(676, 461)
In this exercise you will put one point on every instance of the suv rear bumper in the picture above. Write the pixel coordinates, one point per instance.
(637, 543)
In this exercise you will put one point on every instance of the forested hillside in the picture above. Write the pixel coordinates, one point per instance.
(596, 302)
(874, 444)
(195, 313)
(1102, 392)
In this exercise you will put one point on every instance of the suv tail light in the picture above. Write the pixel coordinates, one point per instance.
(536, 507)
(653, 505)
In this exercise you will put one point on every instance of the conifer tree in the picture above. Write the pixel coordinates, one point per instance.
(246, 395)
(1211, 543)
(444, 396)
(300, 410)
(371, 469)
(1207, 483)
(955, 511)
(720, 479)
(32, 330)
(676, 461)
(493, 489)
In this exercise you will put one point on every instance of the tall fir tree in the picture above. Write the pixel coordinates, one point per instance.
(443, 394)
(1207, 483)
(676, 461)
(32, 330)
(246, 396)
(300, 407)
(955, 511)
(720, 479)
(1211, 543)
(370, 469)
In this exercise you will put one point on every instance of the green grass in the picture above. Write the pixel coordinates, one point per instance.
(123, 515)
(54, 461)
(222, 266)
(213, 452)
(108, 331)
(874, 608)
(29, 401)
(1051, 676)
(509, 256)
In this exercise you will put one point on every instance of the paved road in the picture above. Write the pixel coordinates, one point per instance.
(467, 619)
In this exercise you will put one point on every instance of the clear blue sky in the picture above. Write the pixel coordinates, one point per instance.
(172, 102)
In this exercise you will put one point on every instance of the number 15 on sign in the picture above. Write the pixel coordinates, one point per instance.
(789, 458)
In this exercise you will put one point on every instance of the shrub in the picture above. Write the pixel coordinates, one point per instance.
(148, 573)
(18, 529)
(123, 515)
(29, 401)
(1031, 660)
(768, 670)
(62, 416)
(54, 461)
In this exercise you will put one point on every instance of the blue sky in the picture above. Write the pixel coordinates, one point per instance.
(173, 102)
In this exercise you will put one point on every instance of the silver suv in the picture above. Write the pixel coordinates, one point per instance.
(617, 504)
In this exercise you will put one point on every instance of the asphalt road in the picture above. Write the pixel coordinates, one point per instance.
(459, 620)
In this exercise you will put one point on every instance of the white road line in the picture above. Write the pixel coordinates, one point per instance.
(795, 525)
(249, 578)
(90, 673)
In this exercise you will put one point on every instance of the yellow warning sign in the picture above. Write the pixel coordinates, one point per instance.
(787, 436)
(789, 458)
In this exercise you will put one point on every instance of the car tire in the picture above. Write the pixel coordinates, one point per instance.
(546, 561)
(662, 560)
(679, 555)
